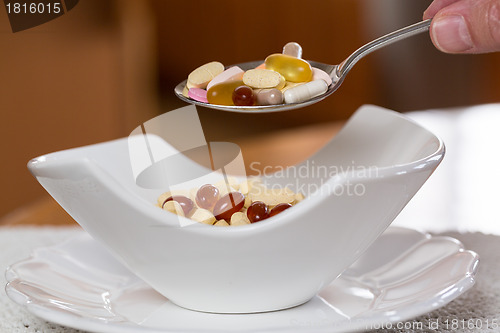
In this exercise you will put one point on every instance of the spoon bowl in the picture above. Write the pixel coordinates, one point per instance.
(330, 69)
(336, 72)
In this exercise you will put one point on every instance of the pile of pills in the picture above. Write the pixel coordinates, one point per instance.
(229, 203)
(282, 78)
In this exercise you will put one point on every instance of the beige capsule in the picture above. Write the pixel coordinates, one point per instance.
(289, 85)
(248, 202)
(239, 218)
(173, 207)
(299, 197)
(256, 190)
(282, 83)
(247, 184)
(201, 76)
(163, 197)
(244, 187)
(221, 223)
(203, 216)
(262, 78)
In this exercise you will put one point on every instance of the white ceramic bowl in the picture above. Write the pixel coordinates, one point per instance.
(376, 164)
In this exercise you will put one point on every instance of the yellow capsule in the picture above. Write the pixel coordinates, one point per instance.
(293, 69)
(282, 83)
(222, 93)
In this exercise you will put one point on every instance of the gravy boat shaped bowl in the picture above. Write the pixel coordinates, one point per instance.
(283, 261)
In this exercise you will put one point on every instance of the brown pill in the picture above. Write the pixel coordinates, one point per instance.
(207, 196)
(228, 205)
(271, 96)
(243, 96)
(257, 211)
(279, 208)
(186, 203)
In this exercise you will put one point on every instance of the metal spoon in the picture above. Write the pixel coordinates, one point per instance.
(336, 72)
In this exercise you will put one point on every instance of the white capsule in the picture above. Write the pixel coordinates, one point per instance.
(293, 49)
(305, 91)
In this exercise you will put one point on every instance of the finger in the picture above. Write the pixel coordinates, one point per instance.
(467, 26)
(436, 6)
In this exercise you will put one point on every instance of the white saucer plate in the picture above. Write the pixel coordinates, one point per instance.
(404, 274)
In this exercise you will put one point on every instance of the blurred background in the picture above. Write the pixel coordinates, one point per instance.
(103, 68)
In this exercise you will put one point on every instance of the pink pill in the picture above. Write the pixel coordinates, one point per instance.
(233, 73)
(198, 94)
(319, 74)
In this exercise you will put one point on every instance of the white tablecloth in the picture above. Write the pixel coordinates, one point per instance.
(17, 244)
(472, 312)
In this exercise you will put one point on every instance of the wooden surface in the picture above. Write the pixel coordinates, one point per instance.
(70, 82)
(103, 69)
(282, 148)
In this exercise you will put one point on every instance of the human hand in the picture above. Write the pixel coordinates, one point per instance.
(465, 26)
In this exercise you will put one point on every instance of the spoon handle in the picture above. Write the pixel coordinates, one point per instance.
(380, 42)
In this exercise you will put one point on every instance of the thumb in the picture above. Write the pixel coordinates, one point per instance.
(467, 26)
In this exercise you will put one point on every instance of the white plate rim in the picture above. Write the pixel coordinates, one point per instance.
(90, 324)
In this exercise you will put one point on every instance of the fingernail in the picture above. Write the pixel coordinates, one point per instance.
(451, 34)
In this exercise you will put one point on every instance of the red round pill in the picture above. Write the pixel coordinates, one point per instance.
(243, 96)
(257, 211)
